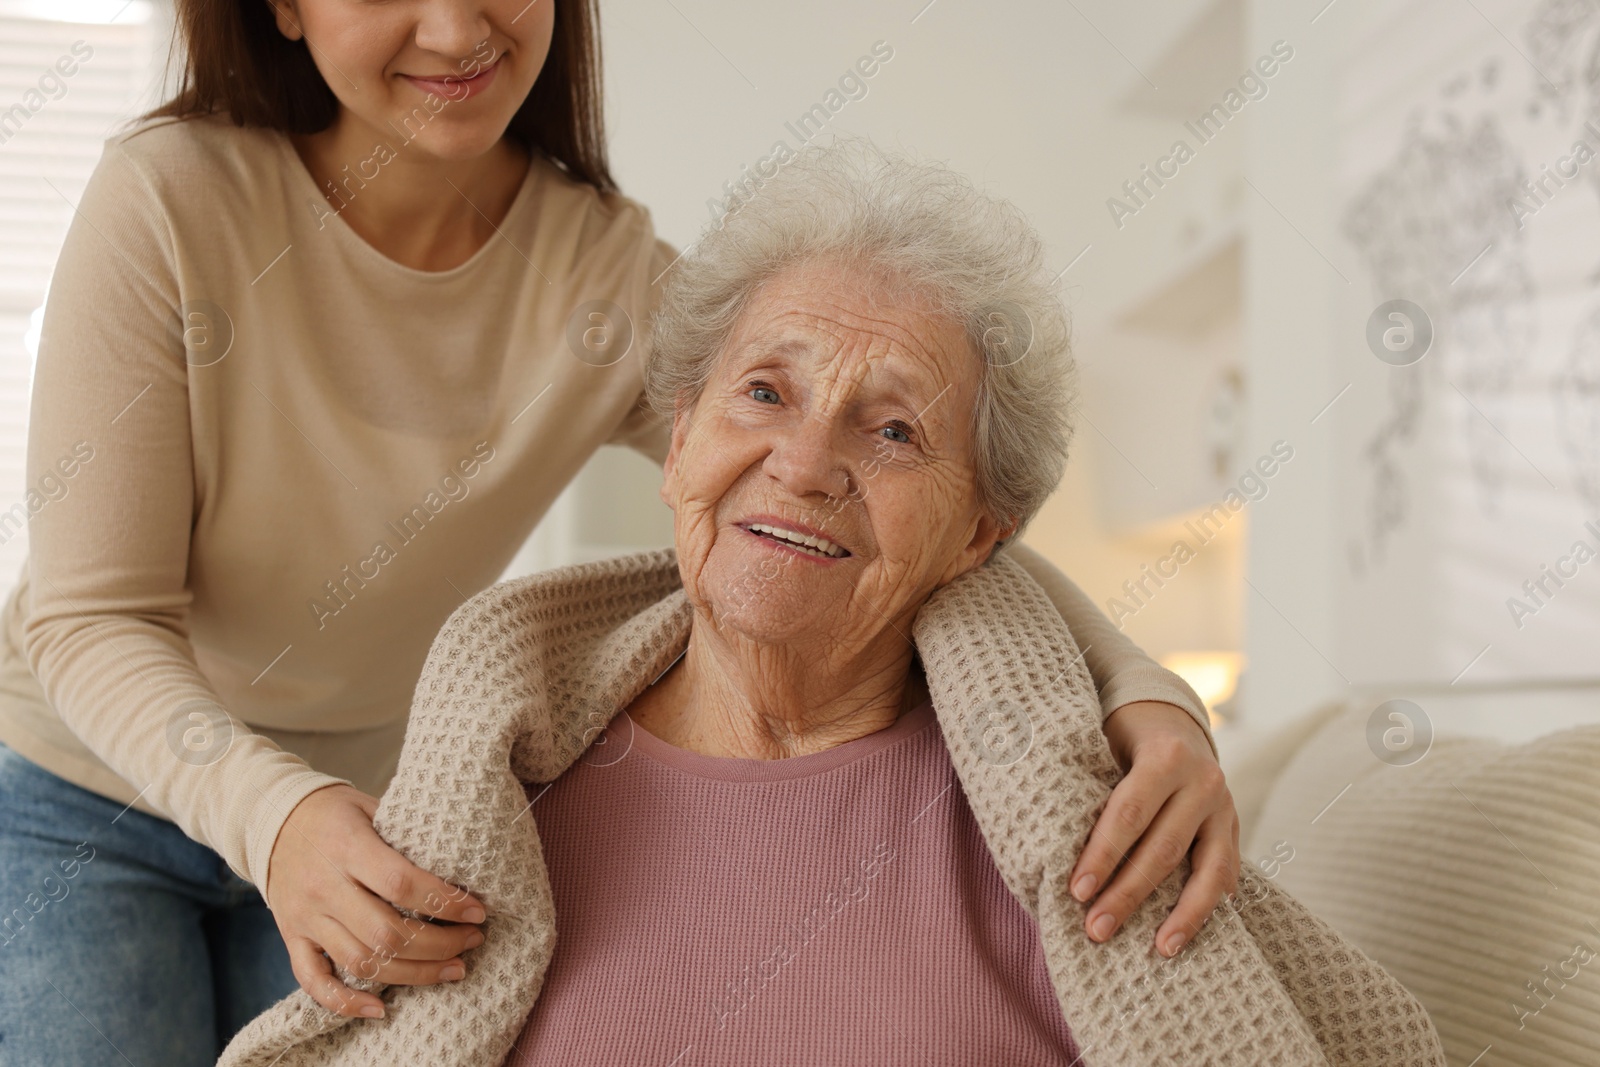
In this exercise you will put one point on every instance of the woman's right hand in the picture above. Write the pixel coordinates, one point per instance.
(333, 881)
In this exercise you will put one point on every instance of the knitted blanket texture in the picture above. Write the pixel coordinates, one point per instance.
(525, 674)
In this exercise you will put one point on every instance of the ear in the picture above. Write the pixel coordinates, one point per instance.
(987, 533)
(287, 15)
(1004, 534)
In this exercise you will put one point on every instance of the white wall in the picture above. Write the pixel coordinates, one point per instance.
(1291, 345)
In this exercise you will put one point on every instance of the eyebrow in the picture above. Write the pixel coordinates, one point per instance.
(767, 349)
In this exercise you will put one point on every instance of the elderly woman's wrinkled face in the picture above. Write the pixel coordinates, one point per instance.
(824, 481)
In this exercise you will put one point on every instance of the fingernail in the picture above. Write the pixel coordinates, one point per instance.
(373, 1011)
(452, 972)
(1101, 928)
(473, 915)
(475, 939)
(1174, 943)
(1083, 888)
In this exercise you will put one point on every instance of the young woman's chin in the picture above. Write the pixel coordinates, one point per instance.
(455, 141)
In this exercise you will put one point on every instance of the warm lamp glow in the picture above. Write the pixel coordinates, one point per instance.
(1213, 675)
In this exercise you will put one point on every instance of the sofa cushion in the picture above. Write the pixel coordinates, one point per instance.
(1472, 874)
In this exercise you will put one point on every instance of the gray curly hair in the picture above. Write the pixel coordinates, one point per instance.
(974, 257)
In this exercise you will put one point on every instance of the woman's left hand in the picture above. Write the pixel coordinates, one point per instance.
(1173, 796)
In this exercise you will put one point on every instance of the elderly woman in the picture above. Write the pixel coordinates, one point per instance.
(782, 798)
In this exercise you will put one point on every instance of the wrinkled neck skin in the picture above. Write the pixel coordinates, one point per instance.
(735, 697)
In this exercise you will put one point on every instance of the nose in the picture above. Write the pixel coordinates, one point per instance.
(452, 28)
(806, 460)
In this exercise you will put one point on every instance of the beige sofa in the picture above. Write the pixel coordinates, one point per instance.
(1468, 865)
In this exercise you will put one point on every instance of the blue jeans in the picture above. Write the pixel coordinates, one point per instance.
(122, 941)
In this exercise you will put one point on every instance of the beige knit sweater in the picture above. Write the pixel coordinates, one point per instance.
(525, 673)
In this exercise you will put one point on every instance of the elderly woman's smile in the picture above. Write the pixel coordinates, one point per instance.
(823, 481)
(791, 535)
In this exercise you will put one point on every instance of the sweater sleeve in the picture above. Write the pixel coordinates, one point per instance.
(1122, 672)
(107, 627)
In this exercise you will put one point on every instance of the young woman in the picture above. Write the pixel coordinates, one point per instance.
(328, 334)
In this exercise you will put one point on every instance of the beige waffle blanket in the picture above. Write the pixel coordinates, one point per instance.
(524, 674)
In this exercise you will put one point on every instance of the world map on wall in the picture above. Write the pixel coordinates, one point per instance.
(1438, 222)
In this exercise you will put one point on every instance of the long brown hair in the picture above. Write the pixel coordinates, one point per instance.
(236, 62)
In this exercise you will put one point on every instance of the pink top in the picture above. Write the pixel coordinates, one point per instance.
(834, 908)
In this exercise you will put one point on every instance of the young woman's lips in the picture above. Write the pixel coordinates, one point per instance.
(454, 88)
